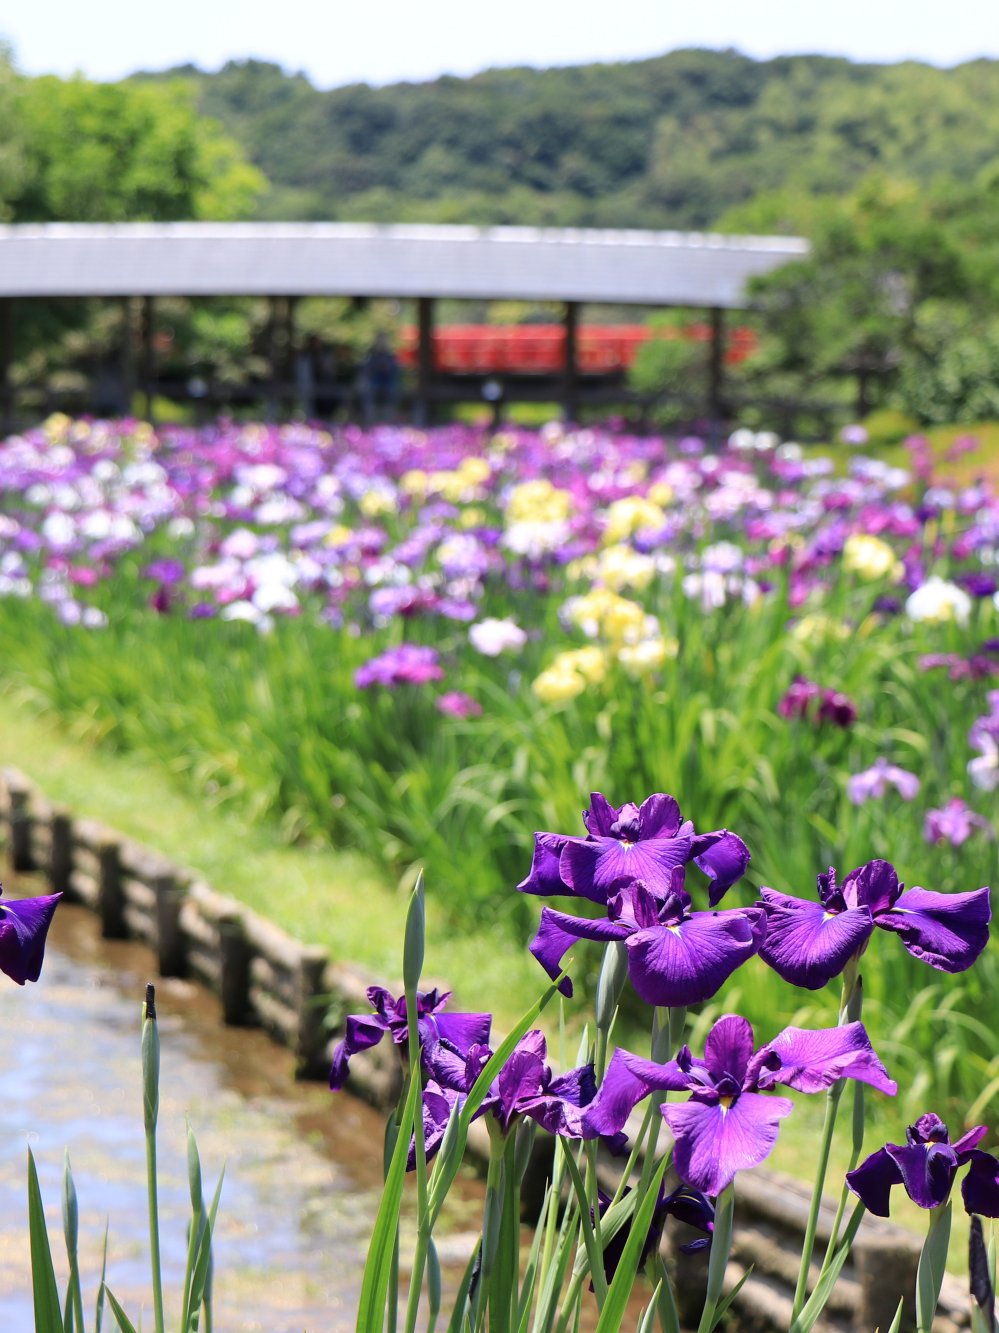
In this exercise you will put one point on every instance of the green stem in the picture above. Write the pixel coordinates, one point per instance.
(721, 1246)
(150, 1107)
(849, 1008)
(492, 1221)
(932, 1265)
(667, 1033)
(422, 1211)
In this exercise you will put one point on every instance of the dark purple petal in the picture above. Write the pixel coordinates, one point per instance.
(561, 1110)
(24, 924)
(543, 877)
(450, 1068)
(464, 1031)
(659, 816)
(714, 1141)
(521, 1080)
(689, 962)
(813, 1061)
(601, 816)
(874, 885)
(946, 930)
(362, 1032)
(557, 933)
(728, 1048)
(872, 1180)
(980, 1187)
(968, 1142)
(629, 1080)
(578, 1087)
(437, 1106)
(927, 1171)
(595, 869)
(723, 857)
(807, 945)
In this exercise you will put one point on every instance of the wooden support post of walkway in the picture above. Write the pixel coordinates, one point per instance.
(147, 354)
(6, 361)
(570, 373)
(424, 360)
(716, 367)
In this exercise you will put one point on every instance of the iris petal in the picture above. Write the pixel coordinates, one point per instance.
(723, 857)
(362, 1032)
(713, 1142)
(927, 1170)
(629, 1079)
(24, 924)
(980, 1187)
(689, 962)
(872, 1180)
(811, 1061)
(595, 869)
(558, 932)
(946, 930)
(808, 946)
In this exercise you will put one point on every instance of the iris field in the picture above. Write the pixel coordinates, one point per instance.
(428, 645)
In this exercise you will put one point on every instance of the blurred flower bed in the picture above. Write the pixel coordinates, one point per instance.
(426, 643)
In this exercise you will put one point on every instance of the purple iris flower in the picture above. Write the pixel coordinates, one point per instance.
(675, 956)
(646, 842)
(926, 1165)
(729, 1124)
(24, 924)
(523, 1087)
(809, 943)
(806, 699)
(461, 1031)
(409, 664)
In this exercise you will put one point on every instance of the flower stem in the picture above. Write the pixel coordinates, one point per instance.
(150, 1107)
(932, 1265)
(849, 1011)
(721, 1245)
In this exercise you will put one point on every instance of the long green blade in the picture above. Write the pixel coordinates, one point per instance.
(125, 1324)
(377, 1268)
(48, 1312)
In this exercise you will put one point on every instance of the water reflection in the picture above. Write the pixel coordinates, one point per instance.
(302, 1169)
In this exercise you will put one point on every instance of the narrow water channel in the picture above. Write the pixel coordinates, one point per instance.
(302, 1167)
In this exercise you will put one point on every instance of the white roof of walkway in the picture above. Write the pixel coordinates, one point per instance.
(347, 259)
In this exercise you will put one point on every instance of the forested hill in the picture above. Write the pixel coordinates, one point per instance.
(675, 141)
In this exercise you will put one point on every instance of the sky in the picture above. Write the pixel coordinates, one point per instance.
(382, 41)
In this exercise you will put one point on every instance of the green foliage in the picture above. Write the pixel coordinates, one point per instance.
(888, 426)
(105, 152)
(673, 141)
(951, 372)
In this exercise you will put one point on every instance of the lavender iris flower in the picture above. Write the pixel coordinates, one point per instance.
(873, 782)
(809, 943)
(926, 1165)
(675, 956)
(729, 1124)
(954, 822)
(646, 842)
(24, 924)
(461, 1031)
